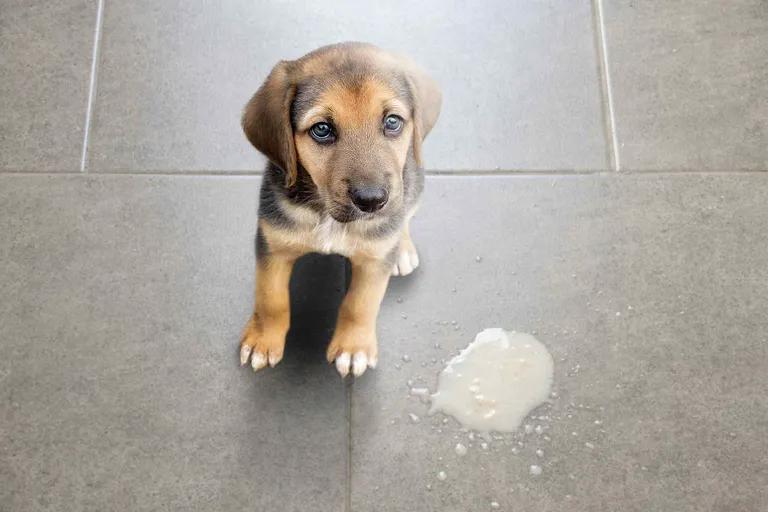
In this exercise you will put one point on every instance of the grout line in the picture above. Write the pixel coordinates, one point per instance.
(92, 85)
(349, 385)
(435, 173)
(348, 476)
(606, 87)
(516, 172)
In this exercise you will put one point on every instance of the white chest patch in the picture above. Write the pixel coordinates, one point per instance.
(333, 237)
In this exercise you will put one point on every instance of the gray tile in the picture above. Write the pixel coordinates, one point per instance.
(689, 83)
(44, 77)
(121, 303)
(676, 378)
(519, 78)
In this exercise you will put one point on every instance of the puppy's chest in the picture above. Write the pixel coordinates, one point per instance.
(330, 236)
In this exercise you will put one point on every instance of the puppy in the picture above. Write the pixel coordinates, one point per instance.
(342, 128)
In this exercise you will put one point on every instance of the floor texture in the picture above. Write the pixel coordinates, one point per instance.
(597, 177)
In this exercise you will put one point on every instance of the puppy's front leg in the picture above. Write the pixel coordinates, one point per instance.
(264, 335)
(354, 341)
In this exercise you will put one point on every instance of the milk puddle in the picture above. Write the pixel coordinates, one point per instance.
(494, 383)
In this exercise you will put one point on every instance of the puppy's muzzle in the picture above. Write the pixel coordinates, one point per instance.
(369, 199)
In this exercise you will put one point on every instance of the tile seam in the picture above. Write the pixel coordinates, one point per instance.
(92, 85)
(606, 86)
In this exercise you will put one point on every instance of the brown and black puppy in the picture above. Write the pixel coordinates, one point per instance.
(342, 128)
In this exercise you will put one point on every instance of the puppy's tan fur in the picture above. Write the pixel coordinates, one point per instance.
(305, 199)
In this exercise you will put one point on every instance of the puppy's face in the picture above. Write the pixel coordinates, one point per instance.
(353, 138)
(350, 115)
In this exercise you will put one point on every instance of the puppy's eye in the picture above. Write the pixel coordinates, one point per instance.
(393, 124)
(322, 133)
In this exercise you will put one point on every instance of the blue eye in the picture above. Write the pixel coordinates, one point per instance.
(393, 124)
(322, 132)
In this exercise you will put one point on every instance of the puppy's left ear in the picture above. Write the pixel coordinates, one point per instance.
(427, 100)
(267, 120)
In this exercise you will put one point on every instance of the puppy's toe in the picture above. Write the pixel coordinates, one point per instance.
(359, 364)
(407, 260)
(342, 364)
(245, 354)
(258, 361)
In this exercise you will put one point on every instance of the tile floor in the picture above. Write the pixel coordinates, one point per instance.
(609, 171)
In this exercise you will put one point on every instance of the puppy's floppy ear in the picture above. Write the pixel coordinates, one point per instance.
(427, 99)
(267, 120)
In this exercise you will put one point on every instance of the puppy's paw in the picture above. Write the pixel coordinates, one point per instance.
(407, 258)
(353, 348)
(262, 344)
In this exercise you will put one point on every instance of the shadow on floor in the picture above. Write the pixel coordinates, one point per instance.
(317, 289)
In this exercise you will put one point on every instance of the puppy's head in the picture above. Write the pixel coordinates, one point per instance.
(351, 115)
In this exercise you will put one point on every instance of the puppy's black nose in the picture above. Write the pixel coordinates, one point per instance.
(369, 199)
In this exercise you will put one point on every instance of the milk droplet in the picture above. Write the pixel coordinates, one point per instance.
(406, 357)
(442, 476)
(535, 470)
(589, 445)
(484, 446)
(495, 505)
(540, 452)
(461, 450)
(414, 418)
(478, 259)
(539, 429)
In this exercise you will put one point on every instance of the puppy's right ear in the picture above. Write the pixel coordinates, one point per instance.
(267, 120)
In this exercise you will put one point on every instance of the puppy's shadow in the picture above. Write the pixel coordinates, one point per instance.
(318, 285)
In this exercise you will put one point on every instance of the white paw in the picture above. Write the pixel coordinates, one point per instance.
(357, 363)
(407, 259)
(257, 358)
(262, 345)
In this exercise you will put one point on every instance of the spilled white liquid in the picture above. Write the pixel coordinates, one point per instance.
(494, 383)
